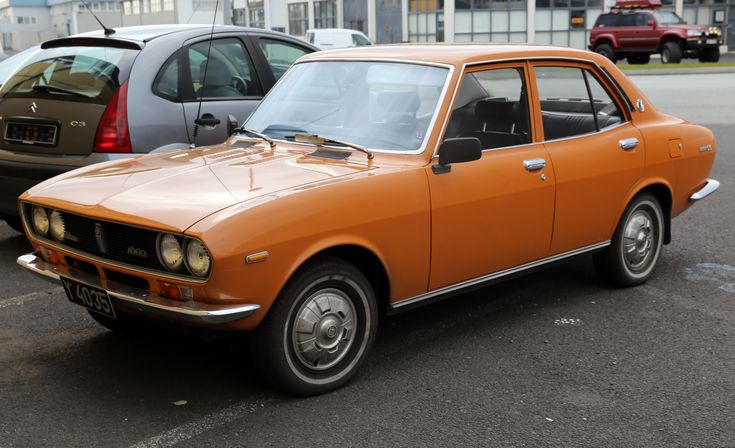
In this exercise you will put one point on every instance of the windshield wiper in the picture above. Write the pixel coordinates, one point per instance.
(260, 135)
(54, 89)
(319, 140)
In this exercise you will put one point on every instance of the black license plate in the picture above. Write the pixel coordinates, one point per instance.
(31, 133)
(95, 299)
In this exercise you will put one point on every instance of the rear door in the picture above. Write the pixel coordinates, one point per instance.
(54, 103)
(215, 87)
(597, 153)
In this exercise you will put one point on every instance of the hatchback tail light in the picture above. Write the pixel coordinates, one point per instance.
(113, 134)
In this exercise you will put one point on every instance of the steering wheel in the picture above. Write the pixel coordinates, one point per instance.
(240, 85)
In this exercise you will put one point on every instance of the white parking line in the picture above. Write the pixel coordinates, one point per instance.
(20, 300)
(202, 425)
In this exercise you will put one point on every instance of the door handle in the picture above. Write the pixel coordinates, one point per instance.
(627, 144)
(534, 164)
(207, 120)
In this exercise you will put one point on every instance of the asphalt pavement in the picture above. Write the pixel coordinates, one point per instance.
(556, 358)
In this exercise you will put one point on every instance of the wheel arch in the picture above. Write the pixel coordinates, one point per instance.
(671, 37)
(605, 39)
(662, 191)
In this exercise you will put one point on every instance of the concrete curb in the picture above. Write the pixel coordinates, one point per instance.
(679, 71)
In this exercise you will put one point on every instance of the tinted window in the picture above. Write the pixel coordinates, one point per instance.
(229, 73)
(359, 41)
(607, 20)
(492, 106)
(627, 19)
(87, 74)
(166, 84)
(280, 55)
(569, 107)
(642, 19)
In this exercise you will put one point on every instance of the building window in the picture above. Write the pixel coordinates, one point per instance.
(155, 5)
(490, 21)
(127, 8)
(566, 22)
(256, 13)
(136, 6)
(325, 14)
(426, 20)
(168, 5)
(298, 18)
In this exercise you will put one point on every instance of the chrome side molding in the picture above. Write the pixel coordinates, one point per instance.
(709, 187)
(495, 275)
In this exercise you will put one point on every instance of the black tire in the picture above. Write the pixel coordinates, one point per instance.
(607, 51)
(13, 222)
(639, 59)
(710, 55)
(632, 238)
(671, 53)
(290, 359)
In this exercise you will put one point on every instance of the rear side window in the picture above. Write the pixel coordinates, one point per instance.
(81, 74)
(280, 55)
(229, 72)
(166, 84)
(573, 102)
(607, 20)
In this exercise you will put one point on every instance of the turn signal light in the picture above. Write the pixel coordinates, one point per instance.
(176, 292)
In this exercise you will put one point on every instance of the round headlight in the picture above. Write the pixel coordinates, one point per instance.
(40, 220)
(171, 254)
(197, 258)
(58, 229)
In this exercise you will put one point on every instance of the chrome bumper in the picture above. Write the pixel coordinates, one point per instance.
(124, 297)
(709, 187)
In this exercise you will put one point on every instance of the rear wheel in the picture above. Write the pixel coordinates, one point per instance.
(671, 53)
(636, 244)
(639, 59)
(710, 55)
(607, 51)
(319, 330)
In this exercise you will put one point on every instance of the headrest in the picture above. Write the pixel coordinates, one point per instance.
(399, 102)
(217, 73)
(490, 109)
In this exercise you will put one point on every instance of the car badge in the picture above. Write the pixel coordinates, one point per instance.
(137, 252)
(33, 107)
(99, 235)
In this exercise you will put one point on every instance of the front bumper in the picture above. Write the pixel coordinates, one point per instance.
(709, 187)
(701, 43)
(136, 300)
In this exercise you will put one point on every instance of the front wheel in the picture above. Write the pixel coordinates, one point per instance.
(671, 53)
(636, 244)
(319, 330)
(607, 51)
(710, 55)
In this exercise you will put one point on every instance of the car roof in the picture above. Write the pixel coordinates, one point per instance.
(146, 33)
(451, 54)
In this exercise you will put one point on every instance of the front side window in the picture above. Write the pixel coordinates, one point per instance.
(573, 102)
(380, 105)
(228, 74)
(492, 106)
(280, 55)
(667, 18)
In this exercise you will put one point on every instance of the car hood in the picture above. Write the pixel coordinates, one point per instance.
(173, 190)
(687, 27)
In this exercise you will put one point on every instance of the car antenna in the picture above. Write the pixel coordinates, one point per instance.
(108, 31)
(199, 120)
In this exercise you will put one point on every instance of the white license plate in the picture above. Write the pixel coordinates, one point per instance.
(95, 299)
(711, 41)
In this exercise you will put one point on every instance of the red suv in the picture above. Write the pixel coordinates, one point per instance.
(636, 29)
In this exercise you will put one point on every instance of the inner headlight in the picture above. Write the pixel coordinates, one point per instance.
(58, 229)
(170, 251)
(197, 258)
(40, 220)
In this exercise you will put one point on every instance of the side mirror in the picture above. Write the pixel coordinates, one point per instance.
(231, 124)
(457, 150)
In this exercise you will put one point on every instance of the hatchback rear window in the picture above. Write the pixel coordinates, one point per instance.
(81, 74)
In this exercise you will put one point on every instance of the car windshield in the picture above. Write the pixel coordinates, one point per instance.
(378, 105)
(667, 18)
(79, 73)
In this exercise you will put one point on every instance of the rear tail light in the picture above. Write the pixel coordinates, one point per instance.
(113, 134)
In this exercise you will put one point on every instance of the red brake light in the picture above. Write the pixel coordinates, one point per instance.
(113, 134)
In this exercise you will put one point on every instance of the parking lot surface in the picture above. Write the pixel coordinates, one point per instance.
(556, 358)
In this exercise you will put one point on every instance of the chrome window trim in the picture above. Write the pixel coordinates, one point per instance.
(106, 261)
(430, 129)
(496, 275)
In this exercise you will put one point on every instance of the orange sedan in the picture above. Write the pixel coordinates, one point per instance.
(371, 180)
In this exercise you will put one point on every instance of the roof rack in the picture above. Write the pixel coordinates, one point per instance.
(637, 4)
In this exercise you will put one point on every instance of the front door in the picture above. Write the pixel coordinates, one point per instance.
(495, 212)
(598, 154)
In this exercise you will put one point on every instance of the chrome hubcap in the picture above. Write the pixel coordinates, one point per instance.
(638, 240)
(323, 329)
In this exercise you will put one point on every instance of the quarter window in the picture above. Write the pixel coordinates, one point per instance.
(573, 102)
(228, 74)
(492, 106)
(166, 84)
(280, 56)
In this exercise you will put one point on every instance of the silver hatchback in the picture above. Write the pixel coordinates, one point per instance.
(91, 98)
